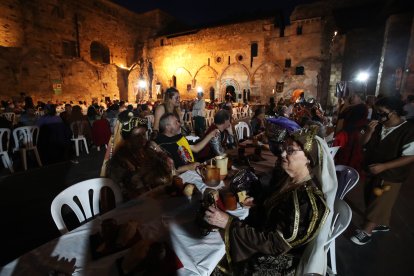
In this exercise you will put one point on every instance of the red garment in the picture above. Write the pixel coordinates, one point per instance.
(350, 153)
(101, 132)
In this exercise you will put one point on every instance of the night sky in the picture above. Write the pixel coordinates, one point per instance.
(198, 13)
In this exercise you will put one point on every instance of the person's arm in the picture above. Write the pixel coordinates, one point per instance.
(368, 132)
(188, 167)
(243, 240)
(396, 163)
(199, 146)
(159, 111)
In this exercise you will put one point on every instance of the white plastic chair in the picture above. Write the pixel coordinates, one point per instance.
(240, 128)
(191, 138)
(25, 138)
(10, 116)
(80, 138)
(188, 120)
(4, 148)
(150, 119)
(347, 177)
(334, 150)
(80, 191)
(341, 218)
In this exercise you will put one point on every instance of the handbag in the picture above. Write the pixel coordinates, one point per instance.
(244, 180)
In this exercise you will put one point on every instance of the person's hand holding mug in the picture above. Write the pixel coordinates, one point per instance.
(214, 216)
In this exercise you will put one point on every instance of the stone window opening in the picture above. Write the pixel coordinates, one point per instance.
(299, 30)
(300, 70)
(288, 63)
(69, 49)
(254, 51)
(162, 42)
(100, 52)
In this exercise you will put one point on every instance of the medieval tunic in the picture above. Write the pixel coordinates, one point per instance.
(287, 220)
(386, 145)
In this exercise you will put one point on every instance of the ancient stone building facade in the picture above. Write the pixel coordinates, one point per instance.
(79, 50)
(70, 50)
(253, 56)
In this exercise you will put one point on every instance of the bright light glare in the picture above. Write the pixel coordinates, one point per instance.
(362, 76)
(199, 89)
(142, 84)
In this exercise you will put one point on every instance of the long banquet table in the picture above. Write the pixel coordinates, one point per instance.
(161, 217)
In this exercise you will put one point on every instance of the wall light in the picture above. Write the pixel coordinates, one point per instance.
(142, 84)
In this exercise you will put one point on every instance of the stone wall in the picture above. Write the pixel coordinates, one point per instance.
(395, 54)
(47, 45)
(221, 56)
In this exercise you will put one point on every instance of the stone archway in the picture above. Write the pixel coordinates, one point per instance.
(235, 75)
(232, 84)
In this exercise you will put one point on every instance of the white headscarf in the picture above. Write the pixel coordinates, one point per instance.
(314, 258)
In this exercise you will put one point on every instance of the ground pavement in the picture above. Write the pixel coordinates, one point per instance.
(27, 223)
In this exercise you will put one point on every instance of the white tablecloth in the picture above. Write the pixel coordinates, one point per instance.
(70, 253)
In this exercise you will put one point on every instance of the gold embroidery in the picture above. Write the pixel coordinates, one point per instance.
(297, 216)
(314, 218)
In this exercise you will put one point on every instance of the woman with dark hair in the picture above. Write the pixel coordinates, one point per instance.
(171, 105)
(257, 121)
(389, 154)
(79, 124)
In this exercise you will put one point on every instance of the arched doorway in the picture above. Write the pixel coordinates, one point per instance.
(231, 91)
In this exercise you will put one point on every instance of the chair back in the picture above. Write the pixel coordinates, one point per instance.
(86, 207)
(10, 116)
(150, 119)
(4, 139)
(78, 128)
(341, 219)
(25, 137)
(240, 128)
(347, 177)
(192, 139)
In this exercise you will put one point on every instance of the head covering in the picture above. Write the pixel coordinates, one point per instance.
(134, 122)
(306, 138)
(277, 130)
(314, 258)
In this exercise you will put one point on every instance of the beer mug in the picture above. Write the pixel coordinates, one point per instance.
(221, 163)
(210, 175)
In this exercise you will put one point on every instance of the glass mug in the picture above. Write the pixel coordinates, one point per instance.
(229, 200)
(222, 164)
(210, 175)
